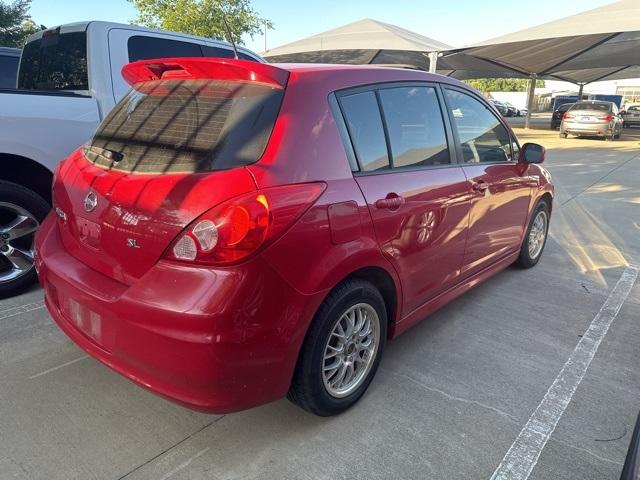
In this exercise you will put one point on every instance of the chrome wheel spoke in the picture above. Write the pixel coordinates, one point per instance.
(333, 367)
(336, 381)
(22, 225)
(20, 259)
(332, 351)
(350, 373)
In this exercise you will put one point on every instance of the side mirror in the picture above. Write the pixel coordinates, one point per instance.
(531, 153)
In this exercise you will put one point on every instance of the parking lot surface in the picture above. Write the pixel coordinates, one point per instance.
(450, 399)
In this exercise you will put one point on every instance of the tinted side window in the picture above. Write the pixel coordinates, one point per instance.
(365, 129)
(8, 71)
(415, 126)
(220, 52)
(55, 62)
(144, 48)
(483, 138)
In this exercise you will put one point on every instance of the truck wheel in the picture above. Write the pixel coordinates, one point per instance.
(342, 349)
(21, 212)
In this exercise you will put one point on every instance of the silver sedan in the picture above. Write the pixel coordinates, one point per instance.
(592, 118)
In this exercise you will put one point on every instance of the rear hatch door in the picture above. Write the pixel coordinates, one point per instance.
(171, 150)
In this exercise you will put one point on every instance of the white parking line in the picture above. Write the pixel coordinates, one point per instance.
(519, 461)
(53, 369)
(27, 307)
(184, 464)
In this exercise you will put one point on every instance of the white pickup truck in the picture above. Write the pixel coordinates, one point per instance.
(68, 80)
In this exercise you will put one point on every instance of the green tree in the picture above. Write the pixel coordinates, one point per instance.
(15, 23)
(201, 17)
(502, 84)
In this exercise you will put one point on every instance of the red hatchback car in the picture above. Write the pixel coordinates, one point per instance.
(236, 232)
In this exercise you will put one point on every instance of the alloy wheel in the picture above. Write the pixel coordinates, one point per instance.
(17, 232)
(351, 350)
(537, 234)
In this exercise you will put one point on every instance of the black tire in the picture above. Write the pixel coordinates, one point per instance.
(308, 388)
(526, 260)
(38, 208)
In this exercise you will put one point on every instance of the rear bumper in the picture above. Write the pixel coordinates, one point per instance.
(215, 340)
(597, 129)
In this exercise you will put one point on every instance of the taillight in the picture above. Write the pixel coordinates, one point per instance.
(567, 116)
(238, 228)
(605, 117)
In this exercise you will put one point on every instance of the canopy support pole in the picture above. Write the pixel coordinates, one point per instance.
(580, 87)
(433, 61)
(530, 95)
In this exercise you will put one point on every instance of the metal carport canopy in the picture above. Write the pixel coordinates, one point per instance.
(372, 42)
(598, 44)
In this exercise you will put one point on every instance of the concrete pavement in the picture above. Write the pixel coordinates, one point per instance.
(451, 396)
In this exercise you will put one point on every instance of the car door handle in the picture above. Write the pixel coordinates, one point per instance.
(479, 186)
(391, 202)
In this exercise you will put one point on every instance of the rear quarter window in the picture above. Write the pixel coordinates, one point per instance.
(364, 124)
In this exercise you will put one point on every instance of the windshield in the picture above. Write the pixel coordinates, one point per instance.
(600, 107)
(187, 126)
(55, 62)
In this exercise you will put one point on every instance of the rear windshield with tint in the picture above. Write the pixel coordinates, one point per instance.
(55, 62)
(564, 107)
(186, 126)
(599, 107)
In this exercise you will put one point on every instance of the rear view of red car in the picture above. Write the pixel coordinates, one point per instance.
(236, 232)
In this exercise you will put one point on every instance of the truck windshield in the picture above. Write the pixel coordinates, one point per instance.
(57, 61)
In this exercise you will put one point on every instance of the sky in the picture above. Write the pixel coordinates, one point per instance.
(455, 22)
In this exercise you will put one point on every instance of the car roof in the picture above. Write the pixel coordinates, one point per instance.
(353, 75)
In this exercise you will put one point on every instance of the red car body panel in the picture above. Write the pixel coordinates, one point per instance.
(429, 228)
(498, 215)
(222, 339)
